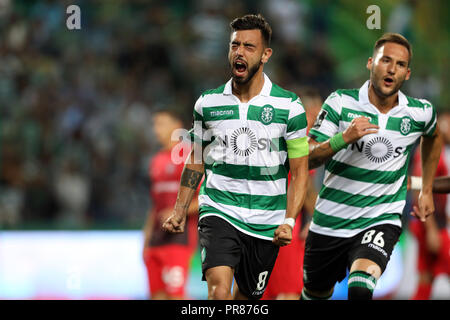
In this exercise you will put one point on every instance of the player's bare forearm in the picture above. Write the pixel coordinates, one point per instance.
(295, 198)
(311, 197)
(430, 153)
(190, 179)
(298, 186)
(319, 153)
(441, 185)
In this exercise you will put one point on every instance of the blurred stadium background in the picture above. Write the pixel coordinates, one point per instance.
(75, 108)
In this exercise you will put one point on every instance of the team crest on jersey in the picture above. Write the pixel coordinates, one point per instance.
(267, 114)
(203, 255)
(405, 125)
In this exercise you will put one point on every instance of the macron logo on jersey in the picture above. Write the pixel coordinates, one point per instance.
(221, 113)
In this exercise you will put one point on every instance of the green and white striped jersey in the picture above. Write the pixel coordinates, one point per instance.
(365, 184)
(245, 155)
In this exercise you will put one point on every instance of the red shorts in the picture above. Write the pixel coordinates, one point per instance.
(167, 268)
(287, 274)
(436, 264)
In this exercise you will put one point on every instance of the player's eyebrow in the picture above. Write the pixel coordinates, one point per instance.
(248, 44)
(401, 62)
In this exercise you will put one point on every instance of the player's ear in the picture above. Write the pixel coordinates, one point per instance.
(369, 63)
(266, 55)
(408, 74)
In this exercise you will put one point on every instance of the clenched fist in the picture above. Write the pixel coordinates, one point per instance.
(358, 128)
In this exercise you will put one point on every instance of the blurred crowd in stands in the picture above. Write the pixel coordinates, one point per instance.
(76, 105)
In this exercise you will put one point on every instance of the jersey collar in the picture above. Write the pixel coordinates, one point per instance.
(265, 91)
(364, 95)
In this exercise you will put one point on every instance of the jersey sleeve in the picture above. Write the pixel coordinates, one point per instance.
(295, 137)
(430, 118)
(327, 121)
(198, 130)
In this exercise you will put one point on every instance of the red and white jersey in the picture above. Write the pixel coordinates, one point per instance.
(165, 170)
(441, 201)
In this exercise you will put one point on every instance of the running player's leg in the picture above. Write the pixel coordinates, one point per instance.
(219, 281)
(220, 253)
(255, 267)
(153, 266)
(369, 256)
(324, 264)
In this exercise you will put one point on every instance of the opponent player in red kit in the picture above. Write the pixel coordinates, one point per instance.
(286, 279)
(167, 256)
(433, 235)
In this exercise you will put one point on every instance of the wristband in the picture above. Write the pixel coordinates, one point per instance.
(416, 183)
(289, 221)
(337, 142)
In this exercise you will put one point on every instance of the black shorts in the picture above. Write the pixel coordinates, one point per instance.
(252, 258)
(327, 258)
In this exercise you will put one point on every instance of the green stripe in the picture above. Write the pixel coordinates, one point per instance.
(214, 91)
(431, 132)
(266, 230)
(244, 200)
(278, 144)
(354, 93)
(328, 221)
(360, 284)
(277, 91)
(297, 123)
(198, 117)
(280, 115)
(350, 114)
(415, 103)
(393, 124)
(433, 117)
(332, 115)
(259, 173)
(361, 274)
(360, 201)
(317, 135)
(221, 113)
(364, 175)
(196, 139)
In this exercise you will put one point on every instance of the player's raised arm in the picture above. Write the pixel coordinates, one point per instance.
(321, 152)
(190, 179)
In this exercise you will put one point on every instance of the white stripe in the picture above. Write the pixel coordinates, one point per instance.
(344, 211)
(296, 134)
(245, 215)
(253, 187)
(362, 279)
(362, 188)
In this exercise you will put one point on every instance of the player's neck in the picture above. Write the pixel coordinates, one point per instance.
(245, 92)
(383, 104)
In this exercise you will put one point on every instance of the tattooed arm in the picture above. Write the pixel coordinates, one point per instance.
(190, 179)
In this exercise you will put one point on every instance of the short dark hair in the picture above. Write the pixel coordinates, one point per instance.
(251, 22)
(396, 38)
